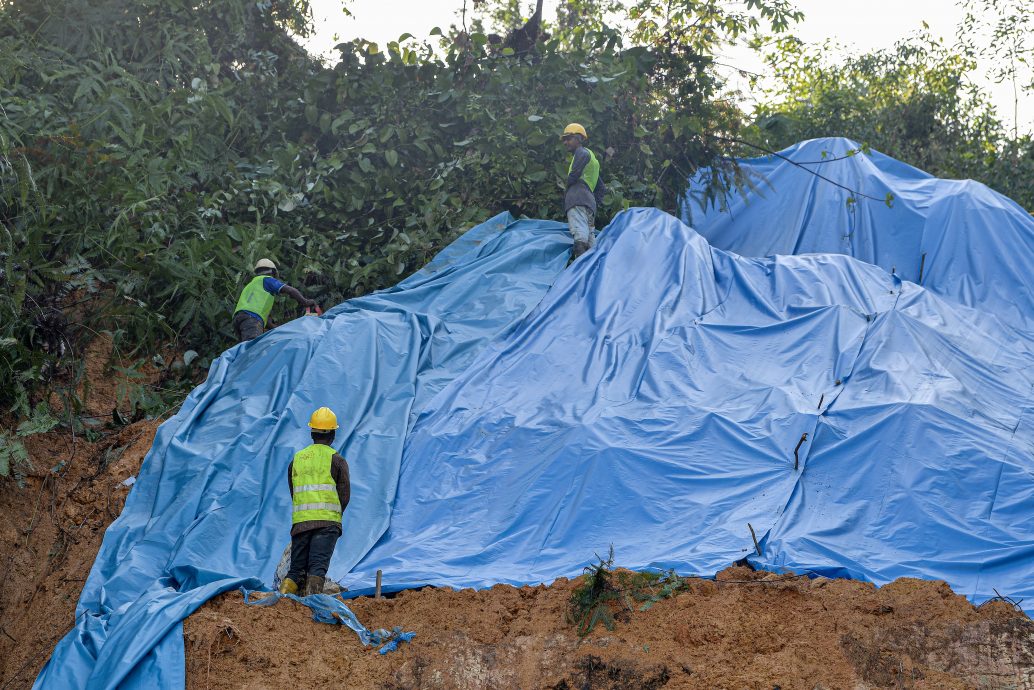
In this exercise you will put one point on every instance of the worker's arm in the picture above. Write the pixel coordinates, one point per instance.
(581, 159)
(339, 471)
(290, 481)
(297, 296)
(278, 287)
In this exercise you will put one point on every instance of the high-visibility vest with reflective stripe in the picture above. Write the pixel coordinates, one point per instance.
(315, 492)
(256, 299)
(591, 173)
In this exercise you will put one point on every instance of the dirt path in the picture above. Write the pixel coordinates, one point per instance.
(745, 630)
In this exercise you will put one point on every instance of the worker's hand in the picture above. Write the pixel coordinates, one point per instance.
(310, 304)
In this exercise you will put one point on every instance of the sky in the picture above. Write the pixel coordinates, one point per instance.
(863, 25)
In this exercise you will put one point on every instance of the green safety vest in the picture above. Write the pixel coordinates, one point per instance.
(315, 492)
(255, 299)
(591, 173)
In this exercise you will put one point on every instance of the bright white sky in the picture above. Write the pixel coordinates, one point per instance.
(862, 24)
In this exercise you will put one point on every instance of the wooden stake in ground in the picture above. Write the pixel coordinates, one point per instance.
(754, 537)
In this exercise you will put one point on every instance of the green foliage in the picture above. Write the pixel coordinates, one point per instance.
(702, 26)
(152, 150)
(655, 587)
(914, 99)
(914, 102)
(39, 422)
(591, 601)
(1002, 32)
(109, 135)
(13, 456)
(144, 400)
(604, 590)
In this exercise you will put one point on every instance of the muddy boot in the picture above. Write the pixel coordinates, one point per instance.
(313, 585)
(579, 248)
(288, 586)
(330, 587)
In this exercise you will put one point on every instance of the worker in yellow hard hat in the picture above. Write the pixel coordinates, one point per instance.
(585, 189)
(251, 315)
(318, 479)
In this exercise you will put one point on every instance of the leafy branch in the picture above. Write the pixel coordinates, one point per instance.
(888, 199)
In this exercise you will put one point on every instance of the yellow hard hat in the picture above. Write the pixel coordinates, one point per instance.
(323, 419)
(574, 128)
(265, 263)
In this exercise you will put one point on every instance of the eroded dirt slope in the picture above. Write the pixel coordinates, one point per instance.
(50, 532)
(51, 527)
(745, 630)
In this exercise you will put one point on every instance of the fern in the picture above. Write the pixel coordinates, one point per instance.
(13, 457)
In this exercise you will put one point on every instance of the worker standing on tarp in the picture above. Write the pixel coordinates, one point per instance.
(585, 189)
(318, 479)
(251, 315)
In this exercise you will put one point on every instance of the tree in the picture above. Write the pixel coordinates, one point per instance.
(1005, 31)
(151, 150)
(914, 102)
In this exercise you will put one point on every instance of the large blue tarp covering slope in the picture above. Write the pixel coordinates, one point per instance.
(502, 429)
(666, 405)
(958, 238)
(210, 510)
(924, 464)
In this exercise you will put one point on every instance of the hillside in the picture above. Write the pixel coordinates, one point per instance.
(48, 544)
(744, 629)
(775, 430)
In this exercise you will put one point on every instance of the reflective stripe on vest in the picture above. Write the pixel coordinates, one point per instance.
(255, 299)
(591, 173)
(315, 487)
(305, 507)
(315, 492)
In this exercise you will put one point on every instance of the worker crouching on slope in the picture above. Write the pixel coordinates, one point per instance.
(318, 478)
(585, 189)
(256, 301)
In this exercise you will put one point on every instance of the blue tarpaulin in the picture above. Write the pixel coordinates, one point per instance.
(210, 510)
(333, 611)
(505, 420)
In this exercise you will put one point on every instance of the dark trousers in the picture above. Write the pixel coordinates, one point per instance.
(311, 552)
(246, 326)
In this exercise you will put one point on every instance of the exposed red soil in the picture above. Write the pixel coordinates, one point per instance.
(51, 527)
(50, 532)
(102, 387)
(744, 630)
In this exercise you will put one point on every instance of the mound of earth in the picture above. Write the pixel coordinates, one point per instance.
(744, 629)
(50, 532)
